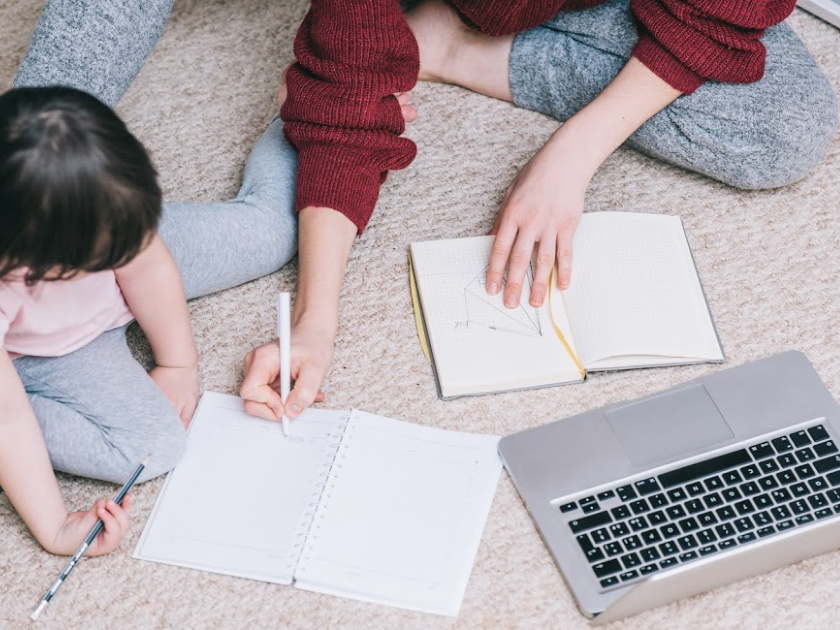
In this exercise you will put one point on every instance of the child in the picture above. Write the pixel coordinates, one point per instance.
(80, 258)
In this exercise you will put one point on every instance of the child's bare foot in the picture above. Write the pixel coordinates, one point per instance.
(451, 52)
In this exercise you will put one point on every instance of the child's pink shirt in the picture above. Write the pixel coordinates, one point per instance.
(54, 318)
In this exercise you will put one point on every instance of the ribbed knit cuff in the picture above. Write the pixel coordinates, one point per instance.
(665, 65)
(328, 177)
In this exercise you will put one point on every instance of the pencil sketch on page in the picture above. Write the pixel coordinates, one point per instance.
(489, 311)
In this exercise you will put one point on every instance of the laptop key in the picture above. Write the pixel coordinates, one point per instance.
(707, 519)
(651, 536)
(568, 507)
(714, 483)
(704, 468)
(647, 486)
(667, 562)
(818, 433)
(805, 455)
(780, 512)
(799, 506)
(781, 495)
(817, 501)
(731, 494)
(783, 525)
(725, 513)
(587, 500)
(648, 569)
(706, 537)
(825, 448)
(694, 506)
(658, 500)
(726, 544)
(608, 582)
(725, 530)
(694, 489)
(590, 507)
(768, 466)
(687, 542)
(828, 463)
(619, 529)
(689, 525)
(766, 531)
(690, 555)
(638, 523)
(744, 538)
(732, 477)
(760, 451)
(787, 460)
(833, 495)
(818, 484)
(823, 513)
(657, 518)
(805, 518)
(799, 490)
(626, 493)
(613, 548)
(629, 575)
(768, 483)
(675, 512)
(677, 494)
(650, 554)
(594, 555)
(603, 569)
(631, 560)
(833, 478)
(800, 438)
(744, 507)
(606, 494)
(589, 522)
(782, 444)
(669, 548)
(632, 542)
(750, 472)
(669, 530)
(750, 488)
(705, 551)
(744, 524)
(762, 518)
(763, 501)
(620, 512)
(786, 476)
(640, 507)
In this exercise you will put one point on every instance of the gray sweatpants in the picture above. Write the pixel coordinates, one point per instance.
(99, 410)
(758, 135)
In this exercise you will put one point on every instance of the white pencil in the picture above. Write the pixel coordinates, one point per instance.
(284, 334)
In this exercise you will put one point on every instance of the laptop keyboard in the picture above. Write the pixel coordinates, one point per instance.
(631, 531)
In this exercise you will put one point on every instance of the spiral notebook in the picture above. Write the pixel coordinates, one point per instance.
(349, 504)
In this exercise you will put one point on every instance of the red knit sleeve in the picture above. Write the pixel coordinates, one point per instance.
(340, 112)
(687, 42)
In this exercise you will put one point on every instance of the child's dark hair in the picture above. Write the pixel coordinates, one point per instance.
(77, 190)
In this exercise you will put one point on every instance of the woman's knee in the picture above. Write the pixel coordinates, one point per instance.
(790, 145)
(163, 444)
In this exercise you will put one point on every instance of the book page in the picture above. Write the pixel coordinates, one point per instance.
(241, 500)
(635, 298)
(402, 516)
(478, 344)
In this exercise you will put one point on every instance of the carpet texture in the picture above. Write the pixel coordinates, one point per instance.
(768, 260)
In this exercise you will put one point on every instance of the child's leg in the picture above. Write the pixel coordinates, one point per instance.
(96, 46)
(757, 135)
(221, 245)
(101, 413)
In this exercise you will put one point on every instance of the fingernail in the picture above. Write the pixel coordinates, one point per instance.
(294, 410)
(510, 302)
(492, 288)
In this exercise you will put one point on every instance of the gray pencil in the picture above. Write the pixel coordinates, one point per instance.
(94, 532)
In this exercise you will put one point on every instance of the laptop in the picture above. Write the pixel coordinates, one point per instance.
(645, 502)
(828, 10)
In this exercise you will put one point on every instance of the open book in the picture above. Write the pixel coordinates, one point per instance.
(349, 504)
(635, 300)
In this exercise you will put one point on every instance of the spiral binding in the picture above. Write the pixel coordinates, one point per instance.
(319, 488)
(323, 498)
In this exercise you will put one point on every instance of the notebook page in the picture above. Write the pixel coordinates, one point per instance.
(478, 344)
(402, 516)
(241, 500)
(635, 293)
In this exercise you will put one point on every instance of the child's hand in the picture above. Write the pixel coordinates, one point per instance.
(77, 525)
(180, 384)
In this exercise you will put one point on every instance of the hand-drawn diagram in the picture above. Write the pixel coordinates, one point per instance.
(489, 310)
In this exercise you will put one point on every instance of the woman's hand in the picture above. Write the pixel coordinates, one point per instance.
(312, 353)
(541, 210)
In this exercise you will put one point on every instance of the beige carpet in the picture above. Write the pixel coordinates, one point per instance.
(769, 262)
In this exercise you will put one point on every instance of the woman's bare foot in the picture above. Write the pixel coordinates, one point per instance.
(451, 52)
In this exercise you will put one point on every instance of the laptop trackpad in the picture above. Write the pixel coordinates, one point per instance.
(667, 426)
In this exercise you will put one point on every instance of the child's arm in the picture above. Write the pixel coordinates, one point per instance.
(27, 478)
(153, 291)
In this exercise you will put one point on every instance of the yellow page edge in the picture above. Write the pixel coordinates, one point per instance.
(418, 313)
(557, 330)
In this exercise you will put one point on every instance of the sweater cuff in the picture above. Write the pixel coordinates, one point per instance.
(665, 65)
(330, 178)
